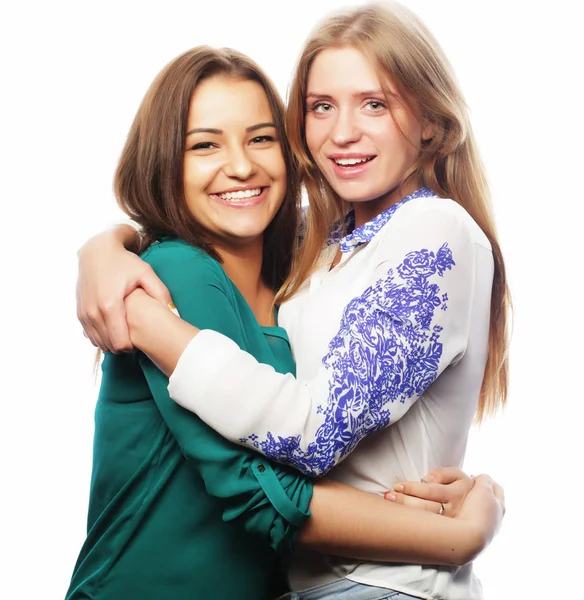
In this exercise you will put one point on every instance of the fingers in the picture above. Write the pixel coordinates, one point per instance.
(445, 475)
(498, 491)
(486, 485)
(105, 279)
(89, 330)
(91, 334)
(448, 486)
(425, 491)
(413, 502)
(500, 495)
(152, 285)
(113, 317)
(483, 481)
(100, 302)
(106, 327)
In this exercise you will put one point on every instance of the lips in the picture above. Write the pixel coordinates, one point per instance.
(351, 162)
(348, 166)
(241, 197)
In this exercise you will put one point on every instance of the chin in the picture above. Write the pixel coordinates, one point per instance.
(246, 235)
(353, 195)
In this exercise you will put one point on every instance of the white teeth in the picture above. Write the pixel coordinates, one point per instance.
(241, 194)
(350, 161)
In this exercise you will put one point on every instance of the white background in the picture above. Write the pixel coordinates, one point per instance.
(72, 76)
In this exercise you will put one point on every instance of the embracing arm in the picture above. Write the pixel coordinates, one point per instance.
(394, 340)
(348, 522)
(274, 502)
(269, 502)
(108, 271)
(285, 508)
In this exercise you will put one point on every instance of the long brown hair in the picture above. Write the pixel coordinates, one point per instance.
(148, 182)
(403, 50)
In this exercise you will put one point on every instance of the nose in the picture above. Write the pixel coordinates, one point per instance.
(345, 129)
(239, 165)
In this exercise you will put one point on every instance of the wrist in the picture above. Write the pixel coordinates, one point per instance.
(474, 539)
(156, 331)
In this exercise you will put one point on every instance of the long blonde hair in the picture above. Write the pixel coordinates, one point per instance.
(403, 50)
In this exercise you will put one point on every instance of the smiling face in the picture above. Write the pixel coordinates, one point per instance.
(234, 170)
(361, 134)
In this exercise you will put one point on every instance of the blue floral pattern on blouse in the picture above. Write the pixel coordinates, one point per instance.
(367, 232)
(387, 350)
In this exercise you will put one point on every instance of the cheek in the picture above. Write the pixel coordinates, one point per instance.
(275, 165)
(397, 143)
(410, 134)
(199, 172)
(315, 132)
(196, 179)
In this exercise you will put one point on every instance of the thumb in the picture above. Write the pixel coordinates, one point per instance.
(483, 481)
(152, 285)
(444, 475)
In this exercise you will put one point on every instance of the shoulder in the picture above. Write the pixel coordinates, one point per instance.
(169, 248)
(172, 258)
(434, 216)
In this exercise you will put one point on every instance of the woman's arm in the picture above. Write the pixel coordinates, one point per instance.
(394, 340)
(108, 272)
(442, 491)
(273, 501)
(269, 502)
(347, 522)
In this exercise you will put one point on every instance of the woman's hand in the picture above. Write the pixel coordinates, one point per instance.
(442, 490)
(483, 510)
(107, 274)
(156, 329)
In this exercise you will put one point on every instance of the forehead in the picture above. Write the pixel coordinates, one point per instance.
(340, 70)
(222, 102)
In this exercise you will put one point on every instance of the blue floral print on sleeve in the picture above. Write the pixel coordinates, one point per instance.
(387, 350)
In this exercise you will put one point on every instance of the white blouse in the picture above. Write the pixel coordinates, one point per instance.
(390, 347)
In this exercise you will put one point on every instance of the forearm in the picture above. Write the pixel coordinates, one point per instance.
(120, 236)
(159, 334)
(349, 522)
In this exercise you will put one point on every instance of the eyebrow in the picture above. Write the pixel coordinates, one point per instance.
(220, 131)
(355, 95)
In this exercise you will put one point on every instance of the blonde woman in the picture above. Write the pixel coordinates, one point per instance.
(396, 305)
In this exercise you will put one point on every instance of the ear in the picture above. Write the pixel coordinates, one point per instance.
(427, 131)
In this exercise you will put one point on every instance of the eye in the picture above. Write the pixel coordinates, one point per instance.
(321, 107)
(203, 146)
(376, 105)
(262, 139)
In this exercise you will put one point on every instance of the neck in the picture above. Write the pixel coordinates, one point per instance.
(243, 265)
(365, 211)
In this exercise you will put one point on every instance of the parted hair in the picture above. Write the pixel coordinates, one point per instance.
(148, 182)
(403, 51)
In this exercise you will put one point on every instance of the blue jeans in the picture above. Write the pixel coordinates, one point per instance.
(345, 589)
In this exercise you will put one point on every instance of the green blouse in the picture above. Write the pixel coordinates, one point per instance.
(175, 511)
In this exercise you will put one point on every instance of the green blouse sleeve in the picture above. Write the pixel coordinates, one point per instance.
(268, 499)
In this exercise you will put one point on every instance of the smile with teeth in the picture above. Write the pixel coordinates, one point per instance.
(240, 194)
(349, 162)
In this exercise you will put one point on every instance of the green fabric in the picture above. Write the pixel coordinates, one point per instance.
(175, 511)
